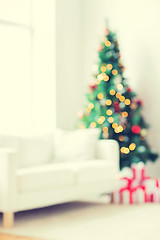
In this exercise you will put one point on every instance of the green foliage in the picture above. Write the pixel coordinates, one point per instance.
(114, 107)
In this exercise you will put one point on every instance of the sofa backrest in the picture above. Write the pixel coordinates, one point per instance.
(31, 150)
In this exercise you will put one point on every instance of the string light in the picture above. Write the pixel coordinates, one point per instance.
(119, 86)
(127, 101)
(114, 72)
(106, 78)
(109, 66)
(133, 106)
(118, 95)
(118, 129)
(104, 75)
(125, 150)
(121, 138)
(124, 114)
(109, 112)
(98, 82)
(101, 119)
(112, 92)
(90, 105)
(132, 146)
(108, 43)
(122, 149)
(114, 125)
(100, 96)
(122, 98)
(103, 69)
(110, 119)
(105, 129)
(93, 125)
(143, 132)
(100, 77)
(108, 102)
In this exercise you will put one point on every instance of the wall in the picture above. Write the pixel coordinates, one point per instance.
(137, 26)
(80, 25)
(69, 60)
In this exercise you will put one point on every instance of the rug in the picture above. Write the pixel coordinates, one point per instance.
(89, 221)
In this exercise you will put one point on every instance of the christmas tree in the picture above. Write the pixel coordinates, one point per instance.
(114, 107)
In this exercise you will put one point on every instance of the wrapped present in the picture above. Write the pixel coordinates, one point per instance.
(139, 172)
(134, 186)
(133, 195)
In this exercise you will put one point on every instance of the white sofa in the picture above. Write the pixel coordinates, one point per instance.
(30, 179)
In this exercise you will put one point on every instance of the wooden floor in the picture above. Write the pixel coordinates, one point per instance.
(10, 237)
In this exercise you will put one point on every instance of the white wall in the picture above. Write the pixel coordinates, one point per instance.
(69, 60)
(137, 26)
(80, 24)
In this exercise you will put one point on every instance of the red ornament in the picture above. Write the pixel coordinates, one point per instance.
(100, 48)
(107, 31)
(136, 129)
(119, 55)
(117, 107)
(129, 89)
(93, 86)
(139, 102)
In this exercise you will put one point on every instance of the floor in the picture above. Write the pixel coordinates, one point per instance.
(11, 237)
(86, 221)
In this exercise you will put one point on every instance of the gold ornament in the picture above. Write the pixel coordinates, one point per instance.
(101, 119)
(100, 96)
(93, 125)
(112, 92)
(132, 146)
(104, 75)
(114, 125)
(114, 72)
(110, 119)
(121, 98)
(105, 129)
(124, 114)
(103, 69)
(127, 101)
(118, 95)
(133, 106)
(108, 102)
(106, 78)
(109, 112)
(90, 105)
(109, 66)
(108, 43)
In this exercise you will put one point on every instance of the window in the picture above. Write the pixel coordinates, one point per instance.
(27, 66)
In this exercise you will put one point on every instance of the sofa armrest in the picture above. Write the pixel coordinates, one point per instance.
(108, 149)
(8, 188)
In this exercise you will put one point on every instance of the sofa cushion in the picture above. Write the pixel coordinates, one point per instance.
(93, 171)
(77, 145)
(31, 150)
(44, 177)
